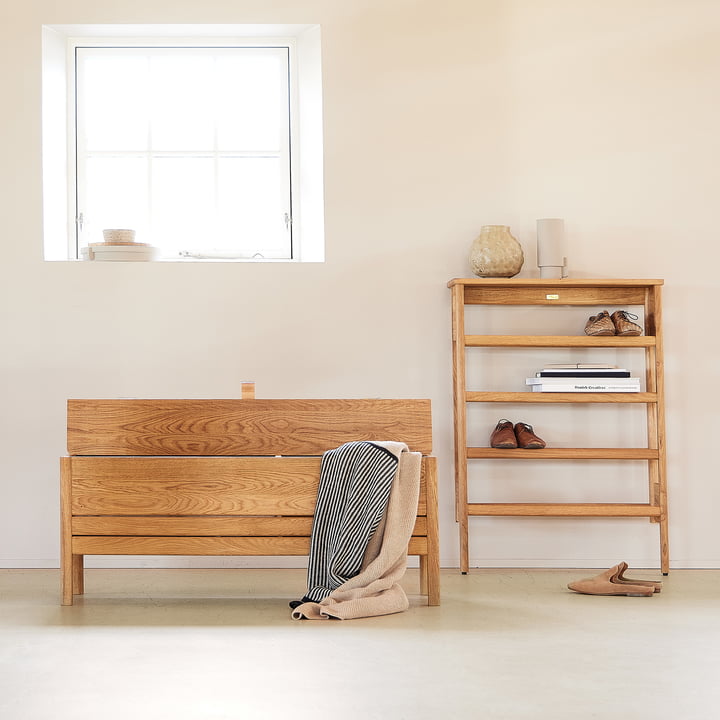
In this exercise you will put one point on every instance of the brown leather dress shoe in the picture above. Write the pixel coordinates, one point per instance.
(526, 438)
(600, 324)
(503, 436)
(622, 320)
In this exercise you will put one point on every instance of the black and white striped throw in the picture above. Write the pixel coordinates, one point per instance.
(355, 483)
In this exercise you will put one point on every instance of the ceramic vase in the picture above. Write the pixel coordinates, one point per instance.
(496, 253)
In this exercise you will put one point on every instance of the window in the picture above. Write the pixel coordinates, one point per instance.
(195, 144)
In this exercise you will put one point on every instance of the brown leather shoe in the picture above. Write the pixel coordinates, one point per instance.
(526, 438)
(600, 324)
(503, 436)
(623, 326)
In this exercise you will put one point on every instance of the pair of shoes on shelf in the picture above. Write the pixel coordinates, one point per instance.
(614, 582)
(521, 435)
(619, 323)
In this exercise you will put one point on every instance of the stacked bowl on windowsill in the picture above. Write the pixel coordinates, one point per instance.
(119, 245)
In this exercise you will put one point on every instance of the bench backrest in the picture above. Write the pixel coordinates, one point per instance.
(241, 427)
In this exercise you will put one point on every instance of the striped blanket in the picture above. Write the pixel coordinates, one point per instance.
(365, 513)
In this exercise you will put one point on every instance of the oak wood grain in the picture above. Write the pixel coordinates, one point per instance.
(203, 526)
(118, 545)
(552, 453)
(199, 486)
(584, 341)
(569, 291)
(566, 509)
(241, 427)
(559, 397)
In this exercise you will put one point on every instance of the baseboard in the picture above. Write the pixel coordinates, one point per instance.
(163, 561)
(168, 561)
(589, 563)
(141, 561)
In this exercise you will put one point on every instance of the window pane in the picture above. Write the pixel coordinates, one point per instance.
(251, 207)
(183, 198)
(115, 90)
(116, 196)
(252, 94)
(183, 102)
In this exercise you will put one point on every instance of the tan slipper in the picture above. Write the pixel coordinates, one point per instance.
(620, 578)
(603, 584)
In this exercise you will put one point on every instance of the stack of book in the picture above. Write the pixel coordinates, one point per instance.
(583, 377)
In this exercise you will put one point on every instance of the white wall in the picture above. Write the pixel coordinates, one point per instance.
(439, 118)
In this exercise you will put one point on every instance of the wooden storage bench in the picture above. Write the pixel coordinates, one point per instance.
(221, 477)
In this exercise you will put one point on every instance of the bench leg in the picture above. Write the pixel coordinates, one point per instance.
(432, 559)
(66, 572)
(430, 579)
(433, 581)
(78, 574)
(423, 574)
(67, 559)
(73, 582)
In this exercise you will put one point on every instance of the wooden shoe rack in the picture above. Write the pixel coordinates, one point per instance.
(645, 295)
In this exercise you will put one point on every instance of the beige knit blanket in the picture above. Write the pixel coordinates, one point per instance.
(375, 590)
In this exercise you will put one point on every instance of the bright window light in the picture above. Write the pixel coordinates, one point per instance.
(205, 140)
(188, 146)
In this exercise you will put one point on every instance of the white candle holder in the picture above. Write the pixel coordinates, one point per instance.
(551, 253)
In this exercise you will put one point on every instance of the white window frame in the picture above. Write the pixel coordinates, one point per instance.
(83, 50)
(306, 176)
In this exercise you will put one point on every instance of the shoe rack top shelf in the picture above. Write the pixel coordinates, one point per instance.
(509, 291)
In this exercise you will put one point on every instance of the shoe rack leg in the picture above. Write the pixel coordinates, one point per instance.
(460, 417)
(656, 420)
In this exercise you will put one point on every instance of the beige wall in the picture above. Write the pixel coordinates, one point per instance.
(439, 118)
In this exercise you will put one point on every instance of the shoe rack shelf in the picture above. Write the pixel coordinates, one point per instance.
(563, 293)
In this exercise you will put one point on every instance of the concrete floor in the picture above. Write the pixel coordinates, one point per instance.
(207, 644)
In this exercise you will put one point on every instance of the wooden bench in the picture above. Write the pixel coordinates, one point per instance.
(221, 477)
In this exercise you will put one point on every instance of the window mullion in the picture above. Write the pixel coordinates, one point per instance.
(149, 157)
(218, 225)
